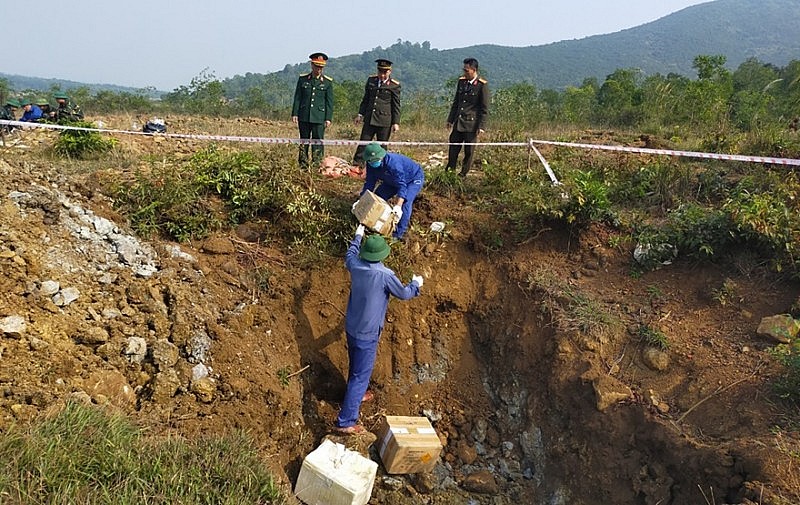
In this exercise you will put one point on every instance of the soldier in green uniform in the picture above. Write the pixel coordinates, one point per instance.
(7, 113)
(380, 108)
(66, 111)
(312, 109)
(467, 115)
(45, 106)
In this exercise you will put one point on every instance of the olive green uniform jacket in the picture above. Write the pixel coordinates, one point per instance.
(313, 99)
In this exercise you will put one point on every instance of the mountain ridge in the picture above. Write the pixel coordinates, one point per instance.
(666, 45)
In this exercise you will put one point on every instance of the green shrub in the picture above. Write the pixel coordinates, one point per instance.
(167, 201)
(588, 198)
(788, 384)
(82, 143)
(653, 337)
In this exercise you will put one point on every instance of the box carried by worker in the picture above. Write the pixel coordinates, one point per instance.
(334, 475)
(373, 212)
(408, 444)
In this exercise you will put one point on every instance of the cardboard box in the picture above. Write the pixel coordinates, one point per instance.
(373, 212)
(408, 444)
(334, 475)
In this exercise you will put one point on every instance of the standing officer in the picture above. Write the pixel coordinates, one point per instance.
(380, 108)
(467, 115)
(312, 109)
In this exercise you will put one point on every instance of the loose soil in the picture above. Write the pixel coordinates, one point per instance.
(533, 402)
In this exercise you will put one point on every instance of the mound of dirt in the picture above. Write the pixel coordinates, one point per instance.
(527, 361)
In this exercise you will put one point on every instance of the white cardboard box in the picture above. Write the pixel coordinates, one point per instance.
(334, 475)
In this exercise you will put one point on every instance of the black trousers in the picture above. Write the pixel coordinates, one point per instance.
(311, 131)
(457, 137)
(368, 132)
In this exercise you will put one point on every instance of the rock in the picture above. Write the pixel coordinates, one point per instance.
(218, 245)
(782, 328)
(110, 386)
(135, 350)
(93, 336)
(466, 453)
(655, 358)
(199, 371)
(392, 483)
(13, 326)
(424, 482)
(49, 288)
(204, 389)
(481, 482)
(608, 390)
(164, 386)
(165, 354)
(66, 296)
(198, 346)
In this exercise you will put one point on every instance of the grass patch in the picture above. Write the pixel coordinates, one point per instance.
(89, 456)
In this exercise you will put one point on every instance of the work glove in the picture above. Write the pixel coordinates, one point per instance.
(353, 208)
(417, 279)
(397, 211)
(360, 230)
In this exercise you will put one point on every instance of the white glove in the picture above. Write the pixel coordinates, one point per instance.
(353, 208)
(397, 211)
(417, 279)
(360, 230)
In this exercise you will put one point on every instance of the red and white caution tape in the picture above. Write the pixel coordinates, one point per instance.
(326, 142)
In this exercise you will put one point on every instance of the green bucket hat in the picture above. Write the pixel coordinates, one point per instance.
(60, 94)
(374, 152)
(25, 101)
(374, 249)
(13, 102)
(41, 101)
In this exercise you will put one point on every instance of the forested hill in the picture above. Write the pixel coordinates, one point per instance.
(768, 30)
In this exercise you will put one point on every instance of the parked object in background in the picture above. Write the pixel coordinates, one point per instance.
(155, 125)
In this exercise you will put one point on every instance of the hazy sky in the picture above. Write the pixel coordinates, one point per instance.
(165, 43)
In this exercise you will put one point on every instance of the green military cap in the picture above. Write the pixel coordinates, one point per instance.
(25, 101)
(373, 152)
(60, 94)
(13, 102)
(41, 101)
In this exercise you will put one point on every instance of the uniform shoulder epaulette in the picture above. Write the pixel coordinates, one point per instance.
(328, 77)
(395, 81)
(462, 78)
(373, 75)
(482, 80)
(306, 74)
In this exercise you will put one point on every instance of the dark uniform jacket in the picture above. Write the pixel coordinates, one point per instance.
(470, 106)
(313, 99)
(381, 103)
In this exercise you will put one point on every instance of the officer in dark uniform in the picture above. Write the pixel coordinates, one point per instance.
(380, 108)
(312, 109)
(467, 115)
